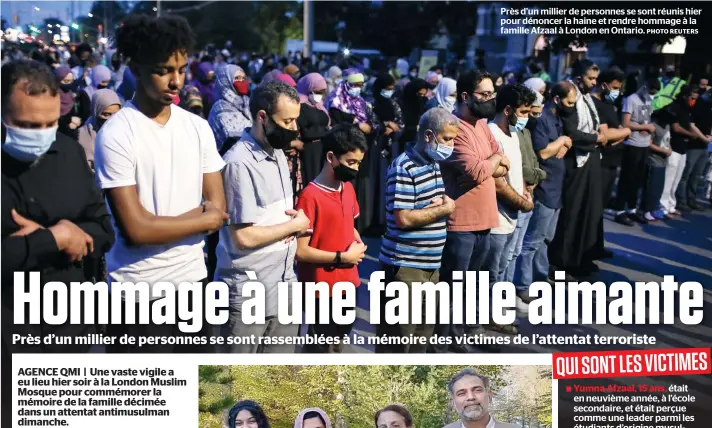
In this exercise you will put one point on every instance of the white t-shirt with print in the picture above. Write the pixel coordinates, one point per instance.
(515, 178)
(166, 163)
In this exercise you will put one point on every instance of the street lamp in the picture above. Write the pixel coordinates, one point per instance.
(37, 9)
(90, 15)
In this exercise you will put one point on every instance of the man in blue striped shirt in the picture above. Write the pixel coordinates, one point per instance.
(416, 218)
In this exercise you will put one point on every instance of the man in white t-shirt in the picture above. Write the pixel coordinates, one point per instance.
(512, 106)
(160, 170)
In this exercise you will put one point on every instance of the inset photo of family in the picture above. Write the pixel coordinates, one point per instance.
(383, 396)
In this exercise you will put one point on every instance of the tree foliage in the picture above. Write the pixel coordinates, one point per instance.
(351, 395)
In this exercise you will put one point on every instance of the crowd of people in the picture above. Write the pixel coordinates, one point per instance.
(133, 171)
(470, 396)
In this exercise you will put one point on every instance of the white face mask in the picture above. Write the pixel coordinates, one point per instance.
(27, 145)
(316, 98)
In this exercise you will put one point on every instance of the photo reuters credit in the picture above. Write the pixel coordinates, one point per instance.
(384, 214)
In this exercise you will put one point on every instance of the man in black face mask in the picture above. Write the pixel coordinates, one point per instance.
(468, 175)
(551, 145)
(334, 249)
(262, 221)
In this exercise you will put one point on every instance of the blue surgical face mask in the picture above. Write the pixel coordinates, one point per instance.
(355, 91)
(27, 145)
(440, 152)
(612, 95)
(386, 94)
(520, 125)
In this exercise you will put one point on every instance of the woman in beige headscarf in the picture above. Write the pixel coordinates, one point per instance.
(104, 103)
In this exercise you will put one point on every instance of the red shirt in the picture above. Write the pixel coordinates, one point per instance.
(332, 215)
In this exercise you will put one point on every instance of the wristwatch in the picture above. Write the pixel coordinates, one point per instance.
(338, 257)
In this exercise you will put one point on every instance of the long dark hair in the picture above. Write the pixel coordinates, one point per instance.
(251, 407)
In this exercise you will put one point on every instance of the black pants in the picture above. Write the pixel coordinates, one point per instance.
(212, 262)
(633, 177)
(608, 180)
(158, 331)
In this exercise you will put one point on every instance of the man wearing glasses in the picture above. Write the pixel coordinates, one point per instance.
(469, 180)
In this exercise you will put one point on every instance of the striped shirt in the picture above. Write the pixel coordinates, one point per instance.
(412, 182)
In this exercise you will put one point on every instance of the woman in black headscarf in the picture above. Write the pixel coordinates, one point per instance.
(389, 128)
(414, 100)
(247, 413)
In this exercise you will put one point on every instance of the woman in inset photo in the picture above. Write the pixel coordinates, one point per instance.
(312, 418)
(247, 414)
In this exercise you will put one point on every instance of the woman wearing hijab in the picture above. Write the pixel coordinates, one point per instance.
(204, 82)
(230, 114)
(414, 100)
(100, 79)
(536, 84)
(346, 105)
(104, 103)
(127, 89)
(69, 120)
(333, 78)
(270, 76)
(312, 418)
(388, 123)
(247, 414)
(286, 78)
(313, 123)
(292, 71)
(445, 95)
(191, 100)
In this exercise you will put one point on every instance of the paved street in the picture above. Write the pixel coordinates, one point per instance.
(682, 248)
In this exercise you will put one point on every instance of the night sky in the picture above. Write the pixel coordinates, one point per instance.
(24, 10)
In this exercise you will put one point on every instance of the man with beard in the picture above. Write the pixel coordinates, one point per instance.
(468, 175)
(258, 242)
(577, 229)
(604, 96)
(471, 397)
(551, 145)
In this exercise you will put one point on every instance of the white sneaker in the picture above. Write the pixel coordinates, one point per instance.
(521, 306)
(650, 217)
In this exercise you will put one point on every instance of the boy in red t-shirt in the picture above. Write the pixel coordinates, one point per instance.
(332, 251)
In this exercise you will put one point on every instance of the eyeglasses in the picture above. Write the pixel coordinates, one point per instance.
(485, 95)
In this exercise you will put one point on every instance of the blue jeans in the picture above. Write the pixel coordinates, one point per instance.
(654, 188)
(498, 253)
(534, 262)
(515, 247)
(464, 251)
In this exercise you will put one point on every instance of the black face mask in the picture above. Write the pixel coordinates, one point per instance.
(566, 111)
(531, 123)
(670, 74)
(68, 87)
(344, 173)
(482, 109)
(102, 86)
(116, 65)
(280, 138)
